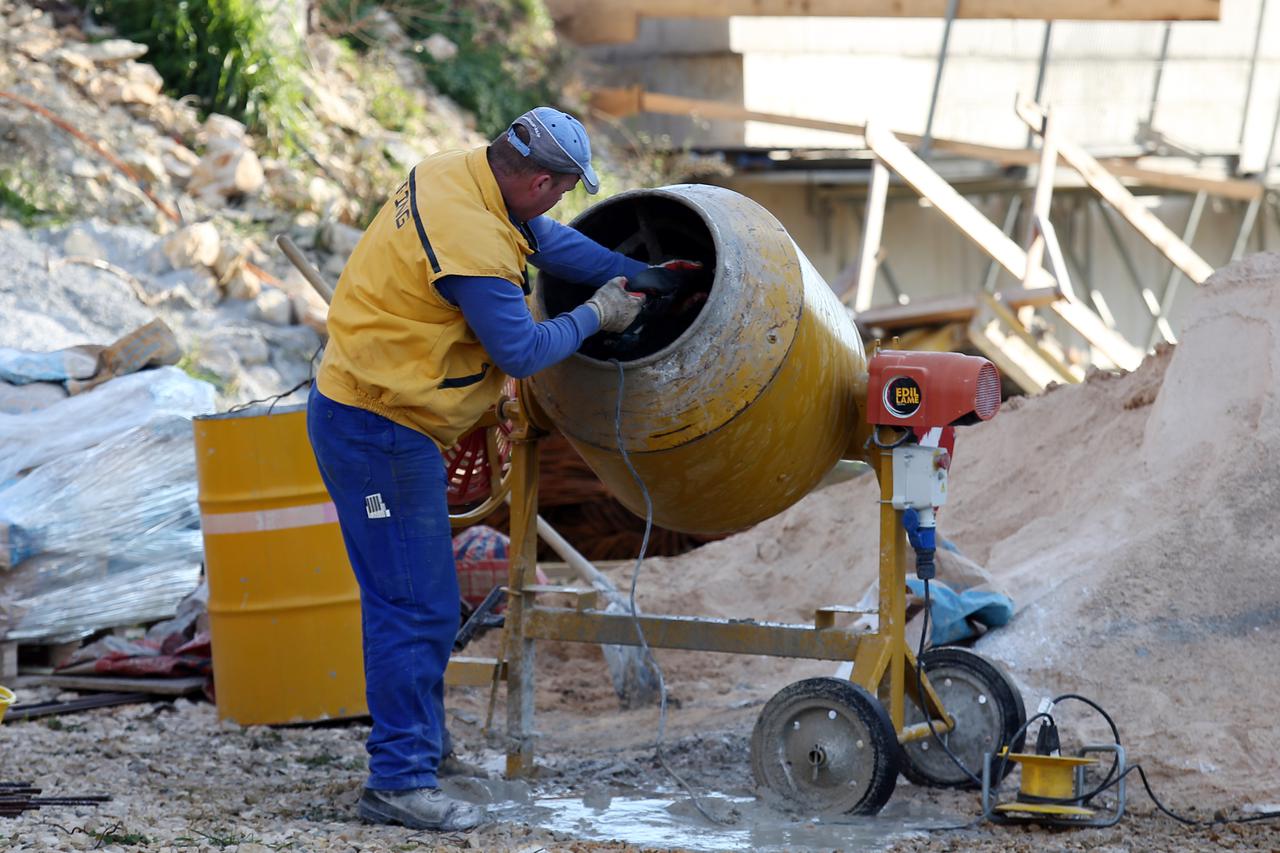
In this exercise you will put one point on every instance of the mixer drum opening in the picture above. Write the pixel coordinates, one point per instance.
(653, 230)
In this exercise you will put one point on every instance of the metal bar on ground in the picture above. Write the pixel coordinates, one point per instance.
(102, 700)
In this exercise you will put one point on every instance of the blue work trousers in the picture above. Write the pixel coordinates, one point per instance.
(388, 485)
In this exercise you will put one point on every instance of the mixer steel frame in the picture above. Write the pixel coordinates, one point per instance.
(873, 654)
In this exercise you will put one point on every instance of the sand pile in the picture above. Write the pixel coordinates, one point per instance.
(1134, 521)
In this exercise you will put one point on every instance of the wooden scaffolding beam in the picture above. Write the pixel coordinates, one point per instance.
(988, 237)
(626, 102)
(617, 21)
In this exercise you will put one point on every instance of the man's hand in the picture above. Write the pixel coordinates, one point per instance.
(616, 306)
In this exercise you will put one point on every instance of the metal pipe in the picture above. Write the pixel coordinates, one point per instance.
(1010, 222)
(1144, 292)
(1040, 73)
(1155, 89)
(1160, 327)
(1253, 71)
(927, 139)
(1247, 221)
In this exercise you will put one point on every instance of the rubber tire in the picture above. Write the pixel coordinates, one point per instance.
(998, 685)
(772, 778)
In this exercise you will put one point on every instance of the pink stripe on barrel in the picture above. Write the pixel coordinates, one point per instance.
(260, 521)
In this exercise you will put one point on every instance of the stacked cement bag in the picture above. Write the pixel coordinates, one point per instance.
(103, 530)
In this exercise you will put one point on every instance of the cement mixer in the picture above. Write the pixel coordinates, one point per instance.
(723, 411)
(737, 406)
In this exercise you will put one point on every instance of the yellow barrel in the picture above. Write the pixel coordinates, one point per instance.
(6, 699)
(738, 405)
(284, 607)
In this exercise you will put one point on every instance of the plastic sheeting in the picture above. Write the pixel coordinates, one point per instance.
(34, 438)
(104, 536)
(18, 367)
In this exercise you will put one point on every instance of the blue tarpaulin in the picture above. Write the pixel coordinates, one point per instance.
(952, 611)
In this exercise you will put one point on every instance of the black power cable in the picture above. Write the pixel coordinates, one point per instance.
(1109, 781)
(635, 619)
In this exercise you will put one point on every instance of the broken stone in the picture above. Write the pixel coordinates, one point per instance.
(340, 239)
(111, 51)
(273, 306)
(331, 108)
(402, 153)
(242, 284)
(74, 60)
(196, 244)
(148, 166)
(439, 47)
(220, 128)
(226, 173)
(82, 168)
(80, 243)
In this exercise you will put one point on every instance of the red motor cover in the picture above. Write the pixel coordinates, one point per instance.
(922, 390)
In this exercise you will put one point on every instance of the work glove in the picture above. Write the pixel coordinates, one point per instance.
(616, 306)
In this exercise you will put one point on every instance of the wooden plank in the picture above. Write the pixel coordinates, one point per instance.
(988, 339)
(950, 309)
(1109, 187)
(955, 207)
(872, 225)
(988, 237)
(474, 672)
(1188, 182)
(1109, 342)
(625, 102)
(617, 21)
(1014, 327)
(113, 684)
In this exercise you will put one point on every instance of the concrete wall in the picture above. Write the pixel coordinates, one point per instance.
(693, 58)
(1100, 80)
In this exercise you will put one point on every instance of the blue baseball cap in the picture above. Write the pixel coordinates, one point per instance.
(557, 141)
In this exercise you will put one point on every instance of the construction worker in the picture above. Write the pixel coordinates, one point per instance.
(428, 320)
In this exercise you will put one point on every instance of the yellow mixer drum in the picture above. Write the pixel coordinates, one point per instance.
(284, 607)
(737, 404)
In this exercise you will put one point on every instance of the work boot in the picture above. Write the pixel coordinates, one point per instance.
(419, 808)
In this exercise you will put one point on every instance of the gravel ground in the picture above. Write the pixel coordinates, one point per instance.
(181, 780)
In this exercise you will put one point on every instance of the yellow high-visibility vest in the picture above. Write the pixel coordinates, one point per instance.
(397, 347)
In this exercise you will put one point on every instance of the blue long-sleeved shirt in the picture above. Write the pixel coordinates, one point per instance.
(497, 313)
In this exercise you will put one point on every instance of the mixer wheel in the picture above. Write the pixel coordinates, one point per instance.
(988, 710)
(825, 745)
